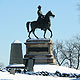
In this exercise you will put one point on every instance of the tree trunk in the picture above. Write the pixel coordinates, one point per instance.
(78, 60)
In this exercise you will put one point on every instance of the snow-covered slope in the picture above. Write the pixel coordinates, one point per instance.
(54, 68)
(48, 68)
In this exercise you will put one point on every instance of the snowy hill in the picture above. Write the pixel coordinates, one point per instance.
(53, 68)
(40, 68)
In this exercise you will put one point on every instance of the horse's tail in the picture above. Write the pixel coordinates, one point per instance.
(27, 25)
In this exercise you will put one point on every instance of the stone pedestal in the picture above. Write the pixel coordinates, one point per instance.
(30, 65)
(40, 50)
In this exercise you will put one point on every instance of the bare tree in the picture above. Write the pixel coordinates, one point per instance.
(77, 48)
(1, 65)
(68, 52)
(60, 52)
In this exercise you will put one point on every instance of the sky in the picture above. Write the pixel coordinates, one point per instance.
(15, 13)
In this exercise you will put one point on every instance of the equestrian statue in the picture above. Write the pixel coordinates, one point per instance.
(43, 22)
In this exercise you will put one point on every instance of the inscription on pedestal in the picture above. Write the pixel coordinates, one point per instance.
(38, 49)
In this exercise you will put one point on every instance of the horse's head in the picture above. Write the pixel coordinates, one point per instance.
(51, 14)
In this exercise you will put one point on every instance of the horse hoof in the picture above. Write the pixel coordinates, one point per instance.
(37, 38)
(29, 37)
(50, 36)
(44, 37)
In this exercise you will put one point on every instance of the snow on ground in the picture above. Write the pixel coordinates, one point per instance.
(53, 68)
(48, 68)
(7, 76)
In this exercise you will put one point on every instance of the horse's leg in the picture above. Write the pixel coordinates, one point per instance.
(29, 34)
(44, 33)
(35, 35)
(51, 32)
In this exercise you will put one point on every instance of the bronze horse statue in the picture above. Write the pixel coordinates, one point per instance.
(44, 24)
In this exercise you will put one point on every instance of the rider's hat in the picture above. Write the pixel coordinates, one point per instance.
(39, 7)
